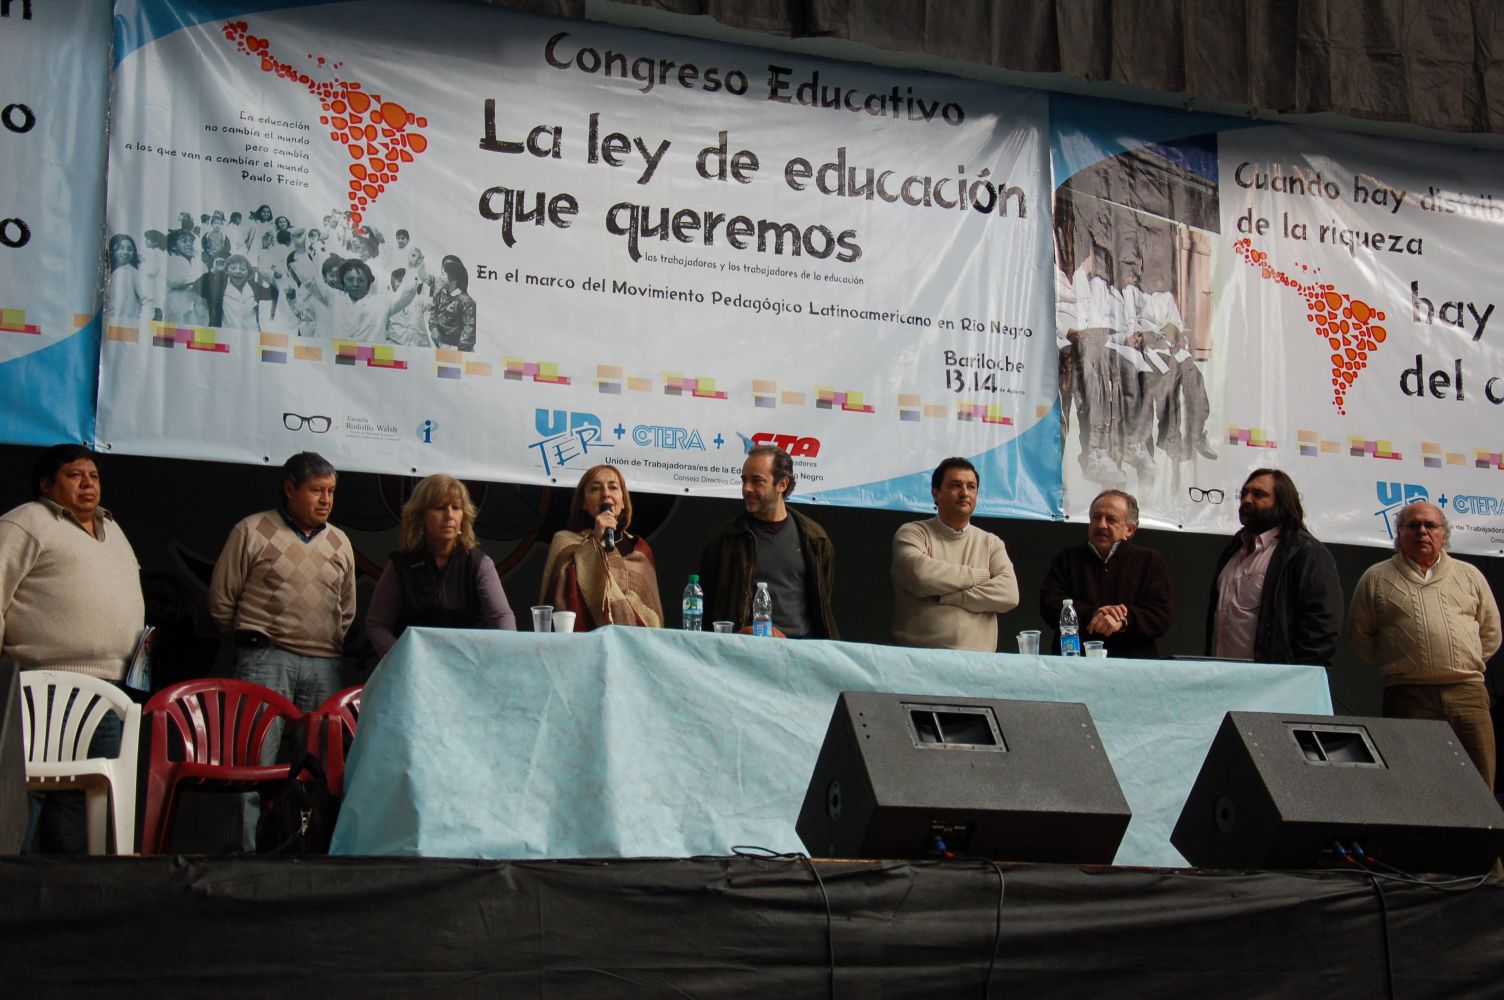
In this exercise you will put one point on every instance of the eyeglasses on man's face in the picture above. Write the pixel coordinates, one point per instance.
(1431, 527)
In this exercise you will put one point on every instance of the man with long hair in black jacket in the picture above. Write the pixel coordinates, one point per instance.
(1275, 597)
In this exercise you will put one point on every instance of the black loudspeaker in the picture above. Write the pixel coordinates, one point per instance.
(912, 776)
(1297, 791)
(13, 813)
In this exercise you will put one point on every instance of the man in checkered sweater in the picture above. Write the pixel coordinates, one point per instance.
(284, 591)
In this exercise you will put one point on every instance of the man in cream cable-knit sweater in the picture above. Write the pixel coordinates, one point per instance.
(70, 599)
(1429, 623)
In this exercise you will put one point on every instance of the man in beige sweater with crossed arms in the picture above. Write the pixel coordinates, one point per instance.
(1430, 623)
(951, 579)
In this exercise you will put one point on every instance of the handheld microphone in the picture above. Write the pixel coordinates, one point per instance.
(610, 539)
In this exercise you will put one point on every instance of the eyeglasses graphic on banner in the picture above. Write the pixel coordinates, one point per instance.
(297, 422)
(1199, 495)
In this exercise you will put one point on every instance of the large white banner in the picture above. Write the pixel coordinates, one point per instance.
(1233, 296)
(511, 248)
(54, 74)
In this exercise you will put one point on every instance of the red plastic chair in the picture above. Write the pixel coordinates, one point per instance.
(331, 730)
(208, 732)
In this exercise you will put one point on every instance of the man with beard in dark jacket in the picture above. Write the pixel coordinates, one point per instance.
(771, 541)
(1276, 597)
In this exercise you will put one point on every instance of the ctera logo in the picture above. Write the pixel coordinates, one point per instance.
(660, 436)
(796, 446)
(565, 436)
(1482, 506)
(1394, 497)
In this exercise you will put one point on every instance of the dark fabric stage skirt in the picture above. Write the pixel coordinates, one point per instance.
(732, 927)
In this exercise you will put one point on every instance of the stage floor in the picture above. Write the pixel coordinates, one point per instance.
(731, 927)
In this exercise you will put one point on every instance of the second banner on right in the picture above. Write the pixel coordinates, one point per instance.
(1232, 295)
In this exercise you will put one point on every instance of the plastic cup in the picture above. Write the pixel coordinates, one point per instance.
(723, 628)
(563, 621)
(543, 617)
(1028, 641)
(1095, 650)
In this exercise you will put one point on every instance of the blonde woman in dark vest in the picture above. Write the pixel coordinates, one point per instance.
(437, 578)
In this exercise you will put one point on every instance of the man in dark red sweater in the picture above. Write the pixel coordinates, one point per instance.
(1121, 592)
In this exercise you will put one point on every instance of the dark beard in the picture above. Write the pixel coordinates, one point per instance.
(1256, 522)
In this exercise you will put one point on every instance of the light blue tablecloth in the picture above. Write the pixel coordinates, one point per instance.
(635, 742)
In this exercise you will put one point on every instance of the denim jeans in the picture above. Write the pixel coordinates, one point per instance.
(56, 822)
(308, 681)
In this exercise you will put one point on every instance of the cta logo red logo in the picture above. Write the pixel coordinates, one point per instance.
(796, 446)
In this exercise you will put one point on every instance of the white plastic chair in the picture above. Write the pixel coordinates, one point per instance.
(60, 710)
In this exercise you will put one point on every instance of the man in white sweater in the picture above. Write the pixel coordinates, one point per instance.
(70, 599)
(1430, 623)
(950, 578)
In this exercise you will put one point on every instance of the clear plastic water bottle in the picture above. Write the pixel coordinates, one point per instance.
(1070, 629)
(762, 611)
(693, 607)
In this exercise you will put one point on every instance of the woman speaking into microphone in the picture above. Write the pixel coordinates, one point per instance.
(596, 567)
